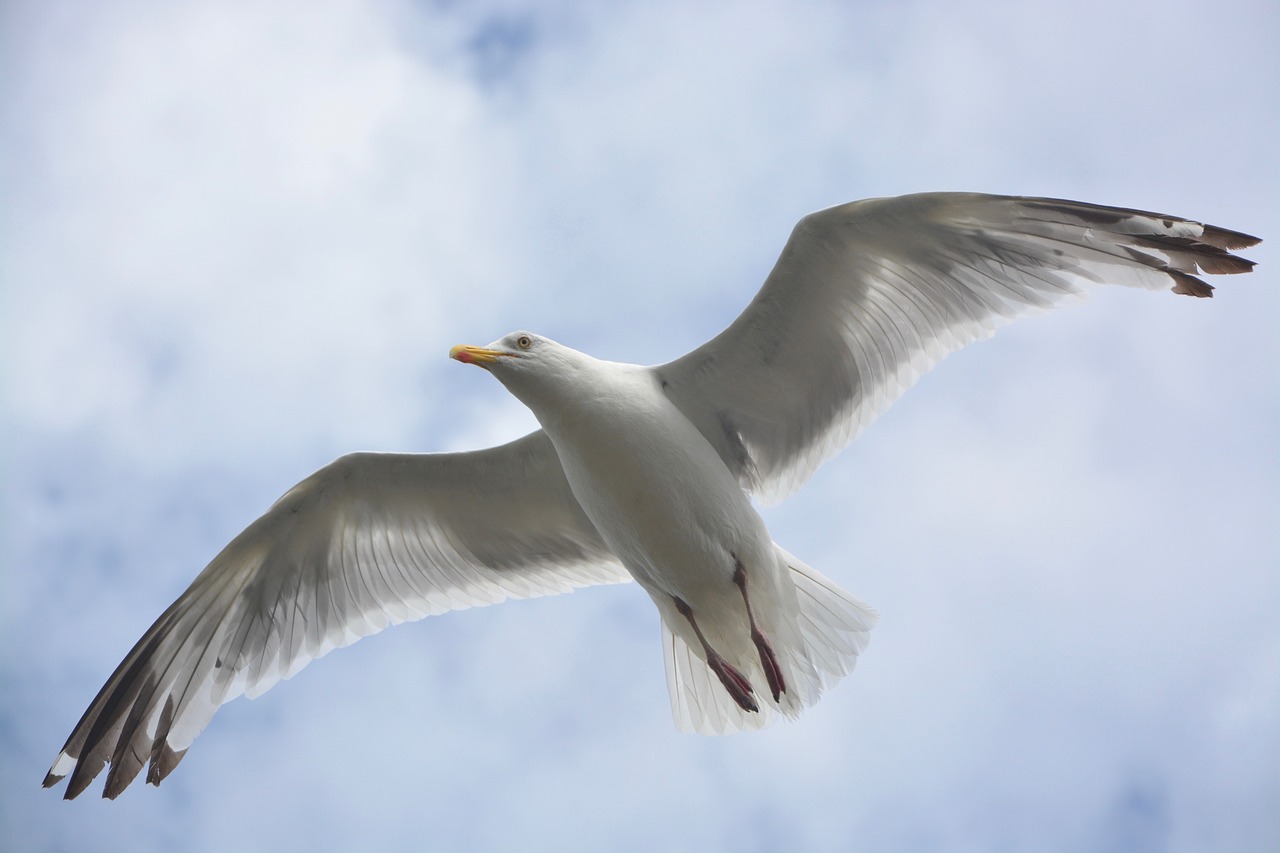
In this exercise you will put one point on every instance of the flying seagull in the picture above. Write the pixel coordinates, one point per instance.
(639, 473)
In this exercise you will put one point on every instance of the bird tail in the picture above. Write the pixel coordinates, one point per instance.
(833, 627)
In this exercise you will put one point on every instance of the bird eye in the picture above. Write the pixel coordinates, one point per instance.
(523, 342)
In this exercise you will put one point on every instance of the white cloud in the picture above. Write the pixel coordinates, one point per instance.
(239, 242)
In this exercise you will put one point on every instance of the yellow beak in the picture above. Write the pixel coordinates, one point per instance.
(478, 355)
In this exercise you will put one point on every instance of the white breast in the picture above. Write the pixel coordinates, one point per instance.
(654, 487)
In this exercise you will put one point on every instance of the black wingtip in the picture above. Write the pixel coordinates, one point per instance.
(1228, 239)
(1189, 285)
(77, 785)
(82, 776)
(163, 760)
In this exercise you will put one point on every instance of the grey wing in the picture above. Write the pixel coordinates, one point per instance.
(868, 296)
(366, 542)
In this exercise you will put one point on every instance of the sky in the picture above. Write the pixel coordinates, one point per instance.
(238, 240)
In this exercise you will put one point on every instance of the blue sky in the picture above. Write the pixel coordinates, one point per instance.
(238, 241)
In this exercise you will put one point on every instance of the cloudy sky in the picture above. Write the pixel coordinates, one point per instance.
(238, 240)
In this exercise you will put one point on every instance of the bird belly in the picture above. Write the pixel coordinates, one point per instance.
(668, 508)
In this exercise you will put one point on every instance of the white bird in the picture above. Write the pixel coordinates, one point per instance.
(638, 472)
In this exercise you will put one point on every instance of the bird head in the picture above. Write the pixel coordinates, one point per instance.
(513, 346)
(532, 367)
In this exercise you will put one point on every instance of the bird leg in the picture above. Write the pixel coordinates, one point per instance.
(772, 672)
(734, 682)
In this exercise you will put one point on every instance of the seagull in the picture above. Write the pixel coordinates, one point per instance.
(644, 473)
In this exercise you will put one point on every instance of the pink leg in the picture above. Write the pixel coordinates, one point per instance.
(734, 682)
(772, 672)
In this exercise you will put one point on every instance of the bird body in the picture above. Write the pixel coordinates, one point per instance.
(644, 473)
(651, 484)
(676, 518)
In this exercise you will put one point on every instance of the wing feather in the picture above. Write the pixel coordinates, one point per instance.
(868, 296)
(368, 541)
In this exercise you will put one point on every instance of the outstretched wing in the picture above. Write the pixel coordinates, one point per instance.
(868, 296)
(366, 542)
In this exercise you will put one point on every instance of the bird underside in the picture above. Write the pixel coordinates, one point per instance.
(864, 299)
(713, 680)
(735, 682)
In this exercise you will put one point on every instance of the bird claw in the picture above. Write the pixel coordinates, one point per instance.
(734, 682)
(772, 672)
(768, 662)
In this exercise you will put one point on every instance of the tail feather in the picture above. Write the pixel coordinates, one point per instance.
(836, 625)
(834, 628)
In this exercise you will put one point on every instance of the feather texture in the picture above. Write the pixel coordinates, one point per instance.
(864, 299)
(868, 296)
(366, 542)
